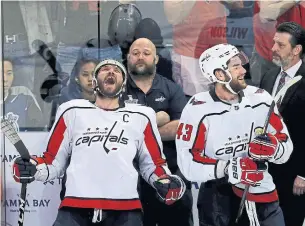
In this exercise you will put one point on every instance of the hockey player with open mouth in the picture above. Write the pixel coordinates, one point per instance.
(221, 142)
(102, 147)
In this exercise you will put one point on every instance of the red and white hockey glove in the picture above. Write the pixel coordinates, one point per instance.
(24, 171)
(170, 188)
(246, 171)
(263, 147)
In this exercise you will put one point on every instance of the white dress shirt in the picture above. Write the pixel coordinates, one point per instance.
(291, 73)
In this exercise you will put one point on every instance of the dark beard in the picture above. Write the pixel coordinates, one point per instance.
(236, 87)
(147, 72)
(101, 92)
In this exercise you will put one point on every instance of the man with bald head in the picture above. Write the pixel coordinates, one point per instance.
(145, 86)
(142, 60)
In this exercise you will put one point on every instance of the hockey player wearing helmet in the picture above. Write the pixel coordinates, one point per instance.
(219, 140)
(223, 65)
(109, 80)
(101, 147)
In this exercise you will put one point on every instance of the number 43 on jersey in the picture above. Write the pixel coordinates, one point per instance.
(184, 132)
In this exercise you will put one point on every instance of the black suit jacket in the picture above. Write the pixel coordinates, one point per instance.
(292, 109)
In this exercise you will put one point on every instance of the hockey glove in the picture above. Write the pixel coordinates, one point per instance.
(170, 188)
(24, 171)
(246, 171)
(263, 147)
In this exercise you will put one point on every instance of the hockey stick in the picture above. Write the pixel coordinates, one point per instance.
(277, 100)
(243, 199)
(280, 95)
(10, 132)
(44, 51)
(53, 84)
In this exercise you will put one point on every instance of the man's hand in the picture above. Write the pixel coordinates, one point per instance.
(263, 147)
(24, 171)
(246, 171)
(162, 118)
(299, 186)
(170, 188)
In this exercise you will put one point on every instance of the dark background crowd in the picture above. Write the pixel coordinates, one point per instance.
(47, 43)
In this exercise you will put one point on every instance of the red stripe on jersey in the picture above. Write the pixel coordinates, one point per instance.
(154, 149)
(275, 121)
(39, 160)
(262, 197)
(198, 147)
(55, 141)
(107, 204)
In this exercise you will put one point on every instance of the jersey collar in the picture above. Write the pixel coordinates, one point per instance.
(217, 99)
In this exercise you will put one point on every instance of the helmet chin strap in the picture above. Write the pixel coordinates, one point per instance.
(227, 84)
(230, 89)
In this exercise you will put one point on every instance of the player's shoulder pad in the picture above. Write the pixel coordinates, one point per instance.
(252, 89)
(198, 105)
(76, 103)
(199, 99)
(257, 94)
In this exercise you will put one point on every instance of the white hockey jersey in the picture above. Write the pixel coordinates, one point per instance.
(211, 132)
(102, 152)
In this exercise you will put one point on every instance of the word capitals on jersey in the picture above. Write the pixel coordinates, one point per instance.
(102, 135)
(234, 146)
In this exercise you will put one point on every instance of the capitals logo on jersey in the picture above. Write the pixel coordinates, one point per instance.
(196, 102)
(234, 145)
(106, 136)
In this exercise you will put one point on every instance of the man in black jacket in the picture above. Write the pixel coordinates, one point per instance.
(288, 50)
(145, 86)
